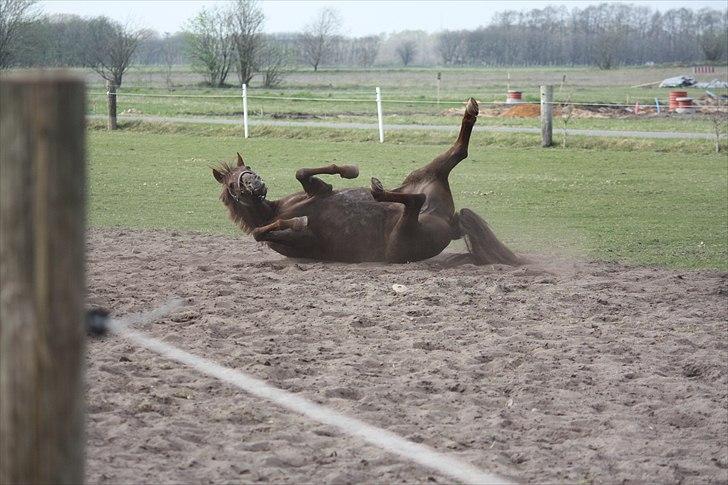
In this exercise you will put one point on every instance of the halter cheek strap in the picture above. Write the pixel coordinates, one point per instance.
(235, 197)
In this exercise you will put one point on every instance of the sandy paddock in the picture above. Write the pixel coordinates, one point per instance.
(575, 372)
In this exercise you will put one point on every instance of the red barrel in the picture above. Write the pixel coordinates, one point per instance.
(673, 98)
(514, 97)
(685, 105)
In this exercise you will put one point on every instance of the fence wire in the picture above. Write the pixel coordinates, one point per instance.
(641, 103)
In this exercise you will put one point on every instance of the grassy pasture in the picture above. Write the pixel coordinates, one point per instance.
(486, 84)
(645, 206)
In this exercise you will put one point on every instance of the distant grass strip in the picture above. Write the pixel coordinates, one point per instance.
(421, 137)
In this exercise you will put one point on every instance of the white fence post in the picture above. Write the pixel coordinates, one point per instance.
(379, 115)
(245, 109)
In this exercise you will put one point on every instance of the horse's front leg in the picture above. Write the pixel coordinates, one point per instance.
(315, 186)
(296, 224)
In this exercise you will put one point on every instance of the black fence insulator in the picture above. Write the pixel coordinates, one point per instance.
(97, 320)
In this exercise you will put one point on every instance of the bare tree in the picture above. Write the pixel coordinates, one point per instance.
(211, 45)
(318, 36)
(712, 36)
(272, 64)
(406, 51)
(246, 28)
(567, 111)
(169, 58)
(719, 119)
(111, 48)
(450, 47)
(605, 53)
(366, 50)
(13, 14)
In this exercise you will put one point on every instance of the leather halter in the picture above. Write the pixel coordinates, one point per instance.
(235, 197)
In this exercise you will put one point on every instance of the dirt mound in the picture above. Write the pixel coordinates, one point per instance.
(458, 112)
(555, 374)
(523, 111)
(534, 111)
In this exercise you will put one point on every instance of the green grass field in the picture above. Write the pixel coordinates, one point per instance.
(638, 206)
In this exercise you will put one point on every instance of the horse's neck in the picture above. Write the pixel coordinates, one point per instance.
(254, 215)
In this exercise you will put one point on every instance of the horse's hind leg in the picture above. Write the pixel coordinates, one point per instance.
(402, 245)
(412, 202)
(414, 236)
(315, 186)
(445, 162)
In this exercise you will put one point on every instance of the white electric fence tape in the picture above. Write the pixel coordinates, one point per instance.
(421, 454)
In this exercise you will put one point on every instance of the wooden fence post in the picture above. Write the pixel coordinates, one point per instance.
(111, 103)
(547, 115)
(42, 283)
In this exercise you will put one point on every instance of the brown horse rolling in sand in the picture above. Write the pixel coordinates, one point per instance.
(413, 222)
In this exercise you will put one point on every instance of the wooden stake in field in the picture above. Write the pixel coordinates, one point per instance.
(42, 287)
(111, 105)
(547, 118)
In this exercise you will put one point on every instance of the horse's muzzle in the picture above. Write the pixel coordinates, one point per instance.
(259, 190)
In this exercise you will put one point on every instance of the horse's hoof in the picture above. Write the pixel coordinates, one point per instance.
(472, 107)
(349, 171)
(299, 223)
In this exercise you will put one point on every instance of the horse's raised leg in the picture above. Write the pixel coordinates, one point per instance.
(445, 162)
(296, 224)
(315, 186)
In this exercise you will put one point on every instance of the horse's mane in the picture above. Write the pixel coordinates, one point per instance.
(248, 217)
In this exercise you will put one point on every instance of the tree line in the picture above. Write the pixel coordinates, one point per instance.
(605, 35)
(224, 41)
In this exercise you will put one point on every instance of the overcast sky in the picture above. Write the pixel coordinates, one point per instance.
(360, 17)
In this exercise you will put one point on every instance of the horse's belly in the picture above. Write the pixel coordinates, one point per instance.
(350, 225)
(347, 235)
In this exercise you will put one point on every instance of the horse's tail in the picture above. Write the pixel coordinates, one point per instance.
(484, 247)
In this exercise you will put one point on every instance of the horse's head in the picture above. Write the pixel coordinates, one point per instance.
(242, 184)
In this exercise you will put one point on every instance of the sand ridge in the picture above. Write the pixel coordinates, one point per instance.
(573, 372)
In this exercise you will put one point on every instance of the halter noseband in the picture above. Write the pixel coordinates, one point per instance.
(235, 197)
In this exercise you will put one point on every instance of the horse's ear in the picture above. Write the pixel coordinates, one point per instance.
(218, 176)
(240, 161)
